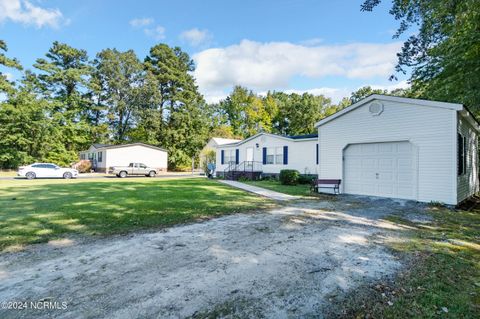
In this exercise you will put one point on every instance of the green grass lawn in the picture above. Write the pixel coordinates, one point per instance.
(274, 185)
(443, 280)
(8, 173)
(41, 210)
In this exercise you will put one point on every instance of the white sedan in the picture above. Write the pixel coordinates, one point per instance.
(46, 170)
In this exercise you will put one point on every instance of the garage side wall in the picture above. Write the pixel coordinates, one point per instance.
(429, 129)
(136, 154)
(468, 182)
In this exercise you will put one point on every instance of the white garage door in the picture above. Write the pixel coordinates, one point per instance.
(380, 169)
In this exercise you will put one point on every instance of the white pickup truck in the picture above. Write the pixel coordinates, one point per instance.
(133, 169)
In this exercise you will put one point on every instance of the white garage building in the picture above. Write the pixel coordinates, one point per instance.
(104, 156)
(401, 148)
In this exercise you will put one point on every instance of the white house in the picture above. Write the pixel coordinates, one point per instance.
(213, 145)
(104, 156)
(270, 153)
(215, 142)
(401, 148)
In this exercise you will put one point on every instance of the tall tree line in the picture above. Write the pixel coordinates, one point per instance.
(69, 101)
(244, 113)
(442, 53)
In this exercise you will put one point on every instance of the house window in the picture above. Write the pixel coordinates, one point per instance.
(461, 154)
(274, 155)
(270, 155)
(100, 156)
(82, 156)
(229, 156)
(279, 155)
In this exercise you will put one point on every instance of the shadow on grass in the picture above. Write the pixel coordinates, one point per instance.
(442, 278)
(40, 212)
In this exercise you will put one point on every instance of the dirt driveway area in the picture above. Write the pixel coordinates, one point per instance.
(287, 262)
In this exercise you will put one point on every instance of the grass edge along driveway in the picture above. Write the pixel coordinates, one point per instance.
(442, 279)
(41, 210)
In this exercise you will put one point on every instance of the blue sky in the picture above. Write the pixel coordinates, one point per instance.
(327, 47)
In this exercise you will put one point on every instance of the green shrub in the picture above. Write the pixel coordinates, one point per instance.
(305, 179)
(244, 179)
(268, 178)
(289, 176)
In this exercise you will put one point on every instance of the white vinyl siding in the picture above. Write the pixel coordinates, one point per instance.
(468, 181)
(123, 156)
(432, 130)
(301, 153)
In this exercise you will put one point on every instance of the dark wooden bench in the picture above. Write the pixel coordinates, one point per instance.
(326, 183)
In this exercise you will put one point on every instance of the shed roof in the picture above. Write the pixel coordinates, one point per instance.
(222, 141)
(107, 147)
(293, 138)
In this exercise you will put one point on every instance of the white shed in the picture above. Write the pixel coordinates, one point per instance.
(271, 153)
(104, 156)
(401, 148)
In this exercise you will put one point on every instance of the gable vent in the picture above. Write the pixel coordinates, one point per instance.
(375, 108)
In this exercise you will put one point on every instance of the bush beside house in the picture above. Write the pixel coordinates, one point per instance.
(289, 176)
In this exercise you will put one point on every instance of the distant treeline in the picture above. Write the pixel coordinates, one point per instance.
(68, 101)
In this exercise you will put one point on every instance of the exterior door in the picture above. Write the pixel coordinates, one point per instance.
(380, 169)
(249, 156)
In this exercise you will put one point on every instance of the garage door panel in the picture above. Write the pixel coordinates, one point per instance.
(368, 148)
(354, 188)
(385, 177)
(405, 192)
(368, 163)
(386, 190)
(386, 164)
(404, 148)
(386, 148)
(380, 169)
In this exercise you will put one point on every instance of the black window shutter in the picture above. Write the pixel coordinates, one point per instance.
(317, 154)
(460, 160)
(264, 156)
(222, 157)
(285, 155)
(237, 156)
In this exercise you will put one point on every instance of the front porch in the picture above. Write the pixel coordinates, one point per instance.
(248, 169)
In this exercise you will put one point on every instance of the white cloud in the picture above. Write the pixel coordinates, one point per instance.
(335, 94)
(311, 42)
(22, 11)
(273, 65)
(196, 37)
(215, 96)
(391, 87)
(141, 22)
(158, 33)
(8, 76)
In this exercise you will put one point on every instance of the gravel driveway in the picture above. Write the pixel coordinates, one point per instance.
(286, 262)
